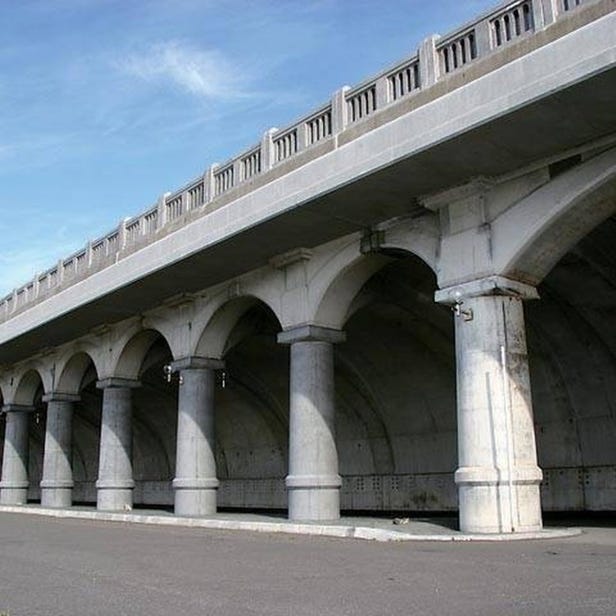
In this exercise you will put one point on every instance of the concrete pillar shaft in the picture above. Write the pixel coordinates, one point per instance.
(195, 483)
(14, 485)
(115, 474)
(313, 482)
(498, 477)
(57, 483)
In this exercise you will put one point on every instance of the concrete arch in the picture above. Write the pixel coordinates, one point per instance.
(215, 338)
(418, 236)
(71, 371)
(134, 351)
(531, 237)
(28, 384)
(344, 276)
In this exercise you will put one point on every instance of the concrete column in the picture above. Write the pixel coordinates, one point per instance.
(14, 484)
(498, 477)
(57, 483)
(195, 482)
(115, 471)
(313, 482)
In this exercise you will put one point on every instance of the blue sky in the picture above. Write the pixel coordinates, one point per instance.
(107, 104)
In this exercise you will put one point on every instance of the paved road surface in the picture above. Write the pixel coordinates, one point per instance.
(70, 567)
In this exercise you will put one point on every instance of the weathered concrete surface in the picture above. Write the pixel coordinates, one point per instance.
(96, 568)
(476, 179)
(487, 117)
(313, 481)
(498, 476)
(195, 483)
(14, 485)
(57, 482)
(115, 477)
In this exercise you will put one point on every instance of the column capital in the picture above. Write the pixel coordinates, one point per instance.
(117, 382)
(485, 287)
(311, 333)
(58, 396)
(197, 363)
(18, 408)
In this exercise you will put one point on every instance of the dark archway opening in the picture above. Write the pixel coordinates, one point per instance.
(572, 353)
(395, 394)
(252, 415)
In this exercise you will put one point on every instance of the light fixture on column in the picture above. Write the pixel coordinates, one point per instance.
(223, 377)
(467, 314)
(169, 372)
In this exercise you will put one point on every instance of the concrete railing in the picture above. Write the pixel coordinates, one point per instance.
(436, 58)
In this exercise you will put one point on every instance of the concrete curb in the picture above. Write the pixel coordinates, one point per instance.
(320, 530)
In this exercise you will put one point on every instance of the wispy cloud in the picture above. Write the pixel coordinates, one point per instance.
(200, 72)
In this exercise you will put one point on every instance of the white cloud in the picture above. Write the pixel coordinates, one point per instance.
(204, 73)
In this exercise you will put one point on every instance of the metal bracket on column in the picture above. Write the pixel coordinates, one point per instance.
(467, 315)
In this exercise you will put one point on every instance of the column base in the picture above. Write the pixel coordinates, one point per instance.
(60, 498)
(314, 498)
(491, 504)
(114, 499)
(195, 503)
(195, 497)
(14, 496)
(114, 495)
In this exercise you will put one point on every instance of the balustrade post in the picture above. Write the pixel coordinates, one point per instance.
(161, 206)
(382, 92)
(483, 38)
(267, 150)
(429, 65)
(209, 183)
(538, 15)
(340, 111)
(550, 11)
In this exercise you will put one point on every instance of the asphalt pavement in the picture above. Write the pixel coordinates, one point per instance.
(76, 567)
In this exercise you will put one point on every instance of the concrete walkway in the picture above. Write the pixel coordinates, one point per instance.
(369, 528)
